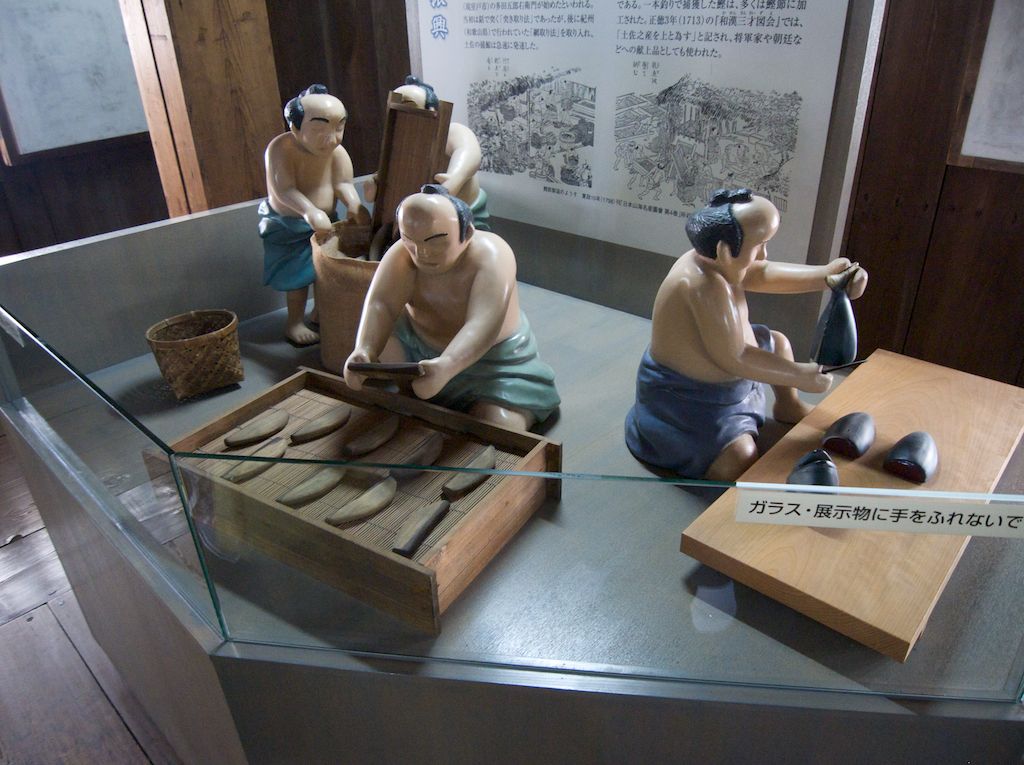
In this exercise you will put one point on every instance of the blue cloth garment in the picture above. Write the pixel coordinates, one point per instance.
(510, 374)
(287, 252)
(683, 424)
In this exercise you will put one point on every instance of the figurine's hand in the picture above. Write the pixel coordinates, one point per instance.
(354, 380)
(436, 374)
(857, 284)
(370, 188)
(319, 221)
(443, 179)
(812, 379)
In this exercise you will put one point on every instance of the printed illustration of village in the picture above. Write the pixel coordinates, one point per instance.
(693, 138)
(541, 125)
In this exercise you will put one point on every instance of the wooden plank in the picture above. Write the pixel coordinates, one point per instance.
(411, 153)
(137, 34)
(51, 709)
(152, 742)
(904, 159)
(980, 329)
(30, 574)
(877, 587)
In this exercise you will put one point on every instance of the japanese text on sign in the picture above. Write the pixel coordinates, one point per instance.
(880, 513)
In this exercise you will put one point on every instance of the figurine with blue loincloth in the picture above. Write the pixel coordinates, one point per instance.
(308, 171)
(700, 396)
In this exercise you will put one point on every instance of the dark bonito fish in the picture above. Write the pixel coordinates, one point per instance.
(815, 468)
(835, 337)
(851, 435)
(915, 457)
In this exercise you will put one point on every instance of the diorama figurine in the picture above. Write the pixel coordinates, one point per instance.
(445, 296)
(308, 170)
(462, 150)
(699, 394)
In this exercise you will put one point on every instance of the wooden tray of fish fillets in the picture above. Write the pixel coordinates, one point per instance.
(339, 537)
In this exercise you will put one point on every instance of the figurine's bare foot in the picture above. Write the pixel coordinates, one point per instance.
(516, 419)
(790, 409)
(300, 335)
(734, 460)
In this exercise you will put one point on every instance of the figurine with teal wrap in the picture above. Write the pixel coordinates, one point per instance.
(308, 171)
(461, 148)
(700, 396)
(445, 302)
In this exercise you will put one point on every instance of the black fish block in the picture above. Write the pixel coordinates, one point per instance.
(851, 435)
(915, 457)
(815, 468)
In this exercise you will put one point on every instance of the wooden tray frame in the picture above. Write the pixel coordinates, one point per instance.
(417, 593)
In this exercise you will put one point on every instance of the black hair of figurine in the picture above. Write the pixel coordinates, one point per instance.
(462, 210)
(293, 111)
(432, 101)
(716, 223)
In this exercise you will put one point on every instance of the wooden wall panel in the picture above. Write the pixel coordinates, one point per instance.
(904, 159)
(61, 198)
(358, 49)
(970, 309)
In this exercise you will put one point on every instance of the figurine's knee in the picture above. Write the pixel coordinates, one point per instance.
(734, 460)
(783, 347)
(506, 417)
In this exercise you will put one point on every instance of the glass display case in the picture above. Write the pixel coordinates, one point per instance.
(566, 561)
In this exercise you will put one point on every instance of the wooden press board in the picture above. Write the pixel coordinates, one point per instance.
(412, 152)
(878, 588)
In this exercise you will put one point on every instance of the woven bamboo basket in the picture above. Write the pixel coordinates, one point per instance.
(197, 351)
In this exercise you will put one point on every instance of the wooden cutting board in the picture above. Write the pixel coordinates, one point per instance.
(876, 587)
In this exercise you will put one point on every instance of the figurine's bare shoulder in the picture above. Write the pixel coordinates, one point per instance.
(488, 249)
(283, 146)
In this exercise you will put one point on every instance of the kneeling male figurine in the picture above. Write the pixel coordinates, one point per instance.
(699, 393)
(446, 296)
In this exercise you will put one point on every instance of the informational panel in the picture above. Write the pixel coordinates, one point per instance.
(66, 76)
(617, 119)
(995, 128)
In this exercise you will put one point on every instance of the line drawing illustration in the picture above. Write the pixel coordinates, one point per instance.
(538, 124)
(694, 137)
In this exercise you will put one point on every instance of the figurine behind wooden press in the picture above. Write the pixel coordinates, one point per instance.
(446, 296)
(462, 150)
(699, 393)
(308, 170)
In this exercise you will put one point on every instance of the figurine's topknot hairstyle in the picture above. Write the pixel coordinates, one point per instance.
(432, 101)
(716, 223)
(462, 210)
(293, 111)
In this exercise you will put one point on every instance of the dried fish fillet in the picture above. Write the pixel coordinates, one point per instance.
(326, 423)
(418, 526)
(463, 483)
(259, 429)
(425, 454)
(243, 471)
(370, 502)
(374, 437)
(317, 485)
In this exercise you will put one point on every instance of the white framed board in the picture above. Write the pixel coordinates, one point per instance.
(66, 76)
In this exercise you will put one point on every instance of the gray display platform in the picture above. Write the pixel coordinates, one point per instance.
(589, 638)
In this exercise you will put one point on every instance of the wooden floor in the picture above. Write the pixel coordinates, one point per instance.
(61, 700)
